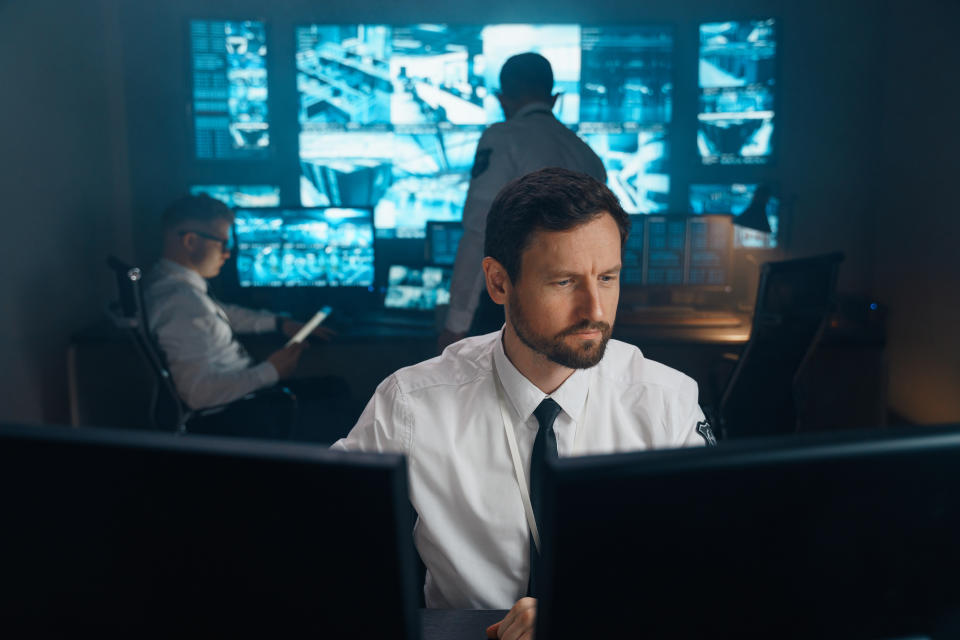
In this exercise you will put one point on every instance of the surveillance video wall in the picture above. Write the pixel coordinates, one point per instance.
(390, 115)
(737, 78)
(734, 199)
(230, 114)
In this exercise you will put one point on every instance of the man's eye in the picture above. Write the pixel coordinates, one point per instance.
(562, 283)
(608, 278)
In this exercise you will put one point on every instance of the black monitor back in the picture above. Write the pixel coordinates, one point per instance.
(826, 536)
(132, 533)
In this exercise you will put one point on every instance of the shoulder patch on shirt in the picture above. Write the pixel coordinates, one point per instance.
(703, 428)
(481, 162)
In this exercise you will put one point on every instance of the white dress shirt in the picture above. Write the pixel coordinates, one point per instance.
(444, 415)
(196, 334)
(532, 139)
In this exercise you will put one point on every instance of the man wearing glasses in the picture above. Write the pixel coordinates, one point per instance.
(195, 332)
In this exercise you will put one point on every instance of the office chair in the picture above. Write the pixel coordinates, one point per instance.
(794, 300)
(166, 411)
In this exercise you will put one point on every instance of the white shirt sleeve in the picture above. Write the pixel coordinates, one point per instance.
(245, 320)
(468, 281)
(207, 364)
(690, 422)
(386, 424)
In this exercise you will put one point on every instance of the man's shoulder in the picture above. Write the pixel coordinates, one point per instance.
(625, 365)
(465, 362)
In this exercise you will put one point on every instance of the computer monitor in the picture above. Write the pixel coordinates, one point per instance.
(737, 81)
(243, 196)
(631, 271)
(116, 532)
(229, 72)
(419, 288)
(666, 238)
(443, 238)
(838, 535)
(320, 247)
(390, 115)
(733, 199)
(709, 251)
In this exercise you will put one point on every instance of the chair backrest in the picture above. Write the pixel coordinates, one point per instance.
(166, 410)
(794, 300)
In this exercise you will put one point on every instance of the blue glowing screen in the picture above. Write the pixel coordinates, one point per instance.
(417, 287)
(737, 77)
(735, 198)
(390, 116)
(229, 61)
(244, 196)
(330, 247)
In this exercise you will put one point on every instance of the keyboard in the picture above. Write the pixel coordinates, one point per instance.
(679, 317)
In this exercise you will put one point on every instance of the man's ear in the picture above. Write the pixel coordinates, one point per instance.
(498, 282)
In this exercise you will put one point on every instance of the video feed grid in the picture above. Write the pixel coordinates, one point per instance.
(247, 196)
(299, 248)
(627, 74)
(735, 198)
(709, 252)
(444, 238)
(409, 175)
(737, 78)
(631, 271)
(229, 88)
(636, 160)
(665, 247)
(420, 288)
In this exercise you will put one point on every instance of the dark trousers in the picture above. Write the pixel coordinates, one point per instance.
(323, 412)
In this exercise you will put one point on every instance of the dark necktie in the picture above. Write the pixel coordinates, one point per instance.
(544, 450)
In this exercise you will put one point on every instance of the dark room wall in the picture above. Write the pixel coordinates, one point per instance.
(917, 265)
(64, 191)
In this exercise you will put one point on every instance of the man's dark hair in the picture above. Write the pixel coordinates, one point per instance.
(200, 208)
(551, 199)
(526, 75)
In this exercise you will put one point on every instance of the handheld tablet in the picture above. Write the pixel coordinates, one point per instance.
(308, 328)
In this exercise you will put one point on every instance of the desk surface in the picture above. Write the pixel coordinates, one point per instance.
(457, 624)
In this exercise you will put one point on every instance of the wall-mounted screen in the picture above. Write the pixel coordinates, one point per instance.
(328, 247)
(417, 287)
(737, 78)
(390, 115)
(244, 196)
(443, 238)
(230, 115)
(734, 199)
(666, 243)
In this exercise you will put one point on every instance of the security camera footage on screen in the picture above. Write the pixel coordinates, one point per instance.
(417, 288)
(230, 116)
(304, 247)
(737, 76)
(390, 116)
(734, 199)
(246, 196)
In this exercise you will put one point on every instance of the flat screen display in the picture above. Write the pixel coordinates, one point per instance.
(230, 114)
(666, 243)
(737, 78)
(443, 238)
(417, 287)
(244, 196)
(325, 247)
(390, 115)
(734, 199)
(709, 250)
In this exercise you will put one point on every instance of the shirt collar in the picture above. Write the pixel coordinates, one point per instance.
(530, 108)
(525, 396)
(181, 272)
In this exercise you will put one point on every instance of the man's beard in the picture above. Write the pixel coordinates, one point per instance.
(588, 354)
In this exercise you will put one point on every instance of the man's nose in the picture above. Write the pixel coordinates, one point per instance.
(590, 303)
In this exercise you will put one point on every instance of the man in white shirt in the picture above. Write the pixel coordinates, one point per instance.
(465, 420)
(531, 138)
(196, 333)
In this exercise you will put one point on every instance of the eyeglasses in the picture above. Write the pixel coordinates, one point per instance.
(225, 243)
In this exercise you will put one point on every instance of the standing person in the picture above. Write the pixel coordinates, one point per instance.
(530, 139)
(478, 421)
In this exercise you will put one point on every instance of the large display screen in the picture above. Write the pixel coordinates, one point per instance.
(737, 78)
(390, 115)
(734, 199)
(330, 247)
(230, 115)
(417, 287)
(244, 196)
